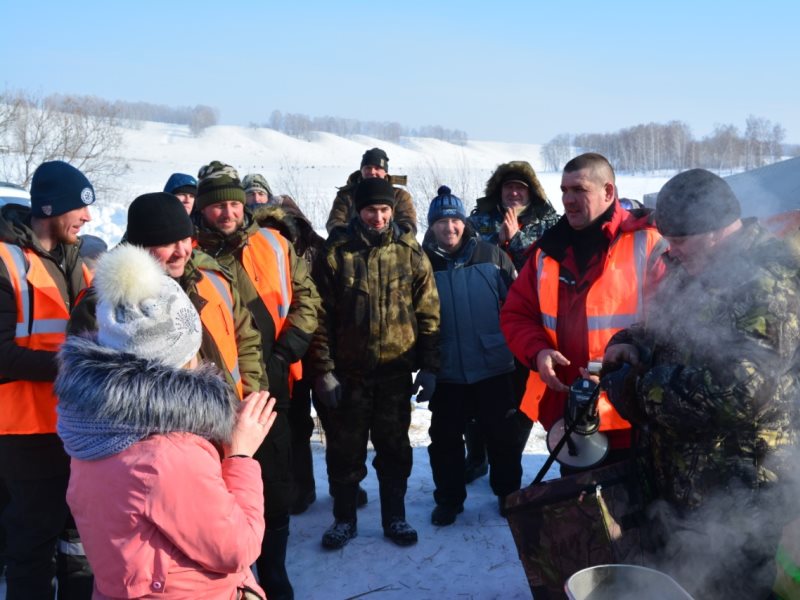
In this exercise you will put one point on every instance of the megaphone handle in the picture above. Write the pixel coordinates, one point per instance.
(567, 431)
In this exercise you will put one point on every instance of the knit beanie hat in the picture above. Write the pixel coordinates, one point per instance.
(375, 157)
(181, 183)
(256, 182)
(157, 219)
(218, 183)
(446, 205)
(694, 202)
(374, 190)
(143, 311)
(57, 188)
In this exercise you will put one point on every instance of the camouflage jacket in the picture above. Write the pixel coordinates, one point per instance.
(381, 307)
(717, 387)
(248, 340)
(487, 217)
(343, 209)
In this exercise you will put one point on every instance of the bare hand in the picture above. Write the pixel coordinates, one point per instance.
(255, 419)
(618, 354)
(546, 361)
(510, 226)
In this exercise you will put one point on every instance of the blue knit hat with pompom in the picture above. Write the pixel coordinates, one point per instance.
(446, 205)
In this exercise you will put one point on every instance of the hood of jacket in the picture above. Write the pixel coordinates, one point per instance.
(101, 388)
(492, 197)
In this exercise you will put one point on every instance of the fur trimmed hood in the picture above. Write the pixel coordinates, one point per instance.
(103, 393)
(525, 172)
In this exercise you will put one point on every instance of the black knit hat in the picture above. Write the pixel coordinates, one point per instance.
(57, 188)
(694, 202)
(218, 182)
(374, 190)
(157, 219)
(375, 157)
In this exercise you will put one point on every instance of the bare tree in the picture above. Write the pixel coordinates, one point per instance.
(84, 133)
(556, 152)
(202, 118)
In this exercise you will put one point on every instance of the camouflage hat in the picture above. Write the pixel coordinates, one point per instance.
(256, 182)
(218, 182)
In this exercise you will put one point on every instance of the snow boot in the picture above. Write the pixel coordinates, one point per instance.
(344, 527)
(271, 565)
(445, 514)
(393, 512)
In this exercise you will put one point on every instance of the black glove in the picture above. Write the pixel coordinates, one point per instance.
(328, 389)
(427, 381)
(620, 387)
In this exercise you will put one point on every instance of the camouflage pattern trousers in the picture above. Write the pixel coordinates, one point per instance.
(376, 407)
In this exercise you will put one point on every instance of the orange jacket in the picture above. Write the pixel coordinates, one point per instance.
(42, 317)
(266, 260)
(217, 318)
(614, 301)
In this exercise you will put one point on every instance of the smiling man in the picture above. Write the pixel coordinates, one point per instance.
(380, 324)
(584, 282)
(41, 274)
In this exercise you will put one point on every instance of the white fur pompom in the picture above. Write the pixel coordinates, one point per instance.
(127, 275)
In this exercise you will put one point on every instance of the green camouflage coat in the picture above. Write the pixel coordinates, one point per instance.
(718, 388)
(381, 308)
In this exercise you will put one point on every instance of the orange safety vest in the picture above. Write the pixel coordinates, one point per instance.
(29, 407)
(217, 317)
(614, 301)
(266, 260)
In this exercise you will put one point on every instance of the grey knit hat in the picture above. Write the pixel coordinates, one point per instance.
(143, 311)
(693, 202)
(256, 182)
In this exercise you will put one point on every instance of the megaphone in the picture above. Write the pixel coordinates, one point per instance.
(575, 440)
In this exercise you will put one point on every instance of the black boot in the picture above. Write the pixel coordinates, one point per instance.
(344, 527)
(476, 465)
(393, 512)
(361, 499)
(271, 565)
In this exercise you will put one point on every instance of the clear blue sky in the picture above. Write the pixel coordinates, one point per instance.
(504, 71)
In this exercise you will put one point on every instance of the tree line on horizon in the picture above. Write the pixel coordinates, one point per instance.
(652, 147)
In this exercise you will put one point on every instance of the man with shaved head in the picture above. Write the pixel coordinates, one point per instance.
(583, 282)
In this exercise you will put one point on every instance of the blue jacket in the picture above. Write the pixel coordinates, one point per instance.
(472, 285)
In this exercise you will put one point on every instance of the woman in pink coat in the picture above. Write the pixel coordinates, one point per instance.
(159, 514)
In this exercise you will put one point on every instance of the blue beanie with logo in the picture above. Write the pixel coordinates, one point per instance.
(181, 183)
(446, 205)
(57, 188)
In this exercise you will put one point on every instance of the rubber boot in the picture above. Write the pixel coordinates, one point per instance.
(303, 474)
(75, 578)
(344, 526)
(271, 565)
(393, 512)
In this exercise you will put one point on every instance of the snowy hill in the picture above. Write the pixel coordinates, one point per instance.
(311, 170)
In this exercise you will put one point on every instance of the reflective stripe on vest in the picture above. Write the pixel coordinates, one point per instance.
(220, 322)
(266, 261)
(614, 301)
(29, 407)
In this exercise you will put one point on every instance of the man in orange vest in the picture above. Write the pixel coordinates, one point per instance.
(276, 286)
(41, 274)
(159, 223)
(584, 281)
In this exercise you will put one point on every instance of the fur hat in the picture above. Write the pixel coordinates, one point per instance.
(143, 311)
(218, 183)
(374, 190)
(446, 205)
(57, 188)
(693, 202)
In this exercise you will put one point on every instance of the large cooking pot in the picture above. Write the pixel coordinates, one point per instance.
(623, 582)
